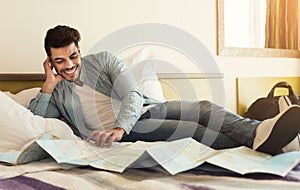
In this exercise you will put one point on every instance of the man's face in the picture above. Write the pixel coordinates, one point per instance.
(66, 61)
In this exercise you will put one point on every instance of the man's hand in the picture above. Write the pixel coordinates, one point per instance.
(51, 79)
(105, 138)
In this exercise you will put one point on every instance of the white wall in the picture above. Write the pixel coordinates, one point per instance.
(24, 23)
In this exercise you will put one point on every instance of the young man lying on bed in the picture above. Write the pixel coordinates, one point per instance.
(98, 97)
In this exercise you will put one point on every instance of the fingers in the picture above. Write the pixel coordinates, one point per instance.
(50, 75)
(113, 137)
(48, 67)
(91, 135)
(104, 138)
(47, 63)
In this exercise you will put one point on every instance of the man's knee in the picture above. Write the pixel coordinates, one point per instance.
(206, 103)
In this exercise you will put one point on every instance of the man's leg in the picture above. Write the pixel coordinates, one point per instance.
(213, 117)
(149, 129)
(281, 130)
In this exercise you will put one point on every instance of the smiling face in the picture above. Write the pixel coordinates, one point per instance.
(66, 61)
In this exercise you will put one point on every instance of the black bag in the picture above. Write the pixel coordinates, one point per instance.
(268, 107)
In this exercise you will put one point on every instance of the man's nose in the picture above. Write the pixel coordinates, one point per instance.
(69, 63)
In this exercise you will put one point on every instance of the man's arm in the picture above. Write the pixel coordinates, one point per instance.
(124, 87)
(41, 102)
(51, 79)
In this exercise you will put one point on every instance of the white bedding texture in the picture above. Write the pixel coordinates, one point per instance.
(23, 97)
(18, 125)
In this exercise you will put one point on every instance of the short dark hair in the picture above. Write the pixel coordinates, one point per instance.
(60, 36)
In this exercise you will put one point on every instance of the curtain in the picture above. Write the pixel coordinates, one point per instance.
(282, 24)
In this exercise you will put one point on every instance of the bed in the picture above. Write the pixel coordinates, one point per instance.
(46, 174)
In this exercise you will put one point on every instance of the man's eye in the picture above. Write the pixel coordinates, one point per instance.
(58, 61)
(74, 56)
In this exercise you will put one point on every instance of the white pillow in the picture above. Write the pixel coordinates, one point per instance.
(143, 69)
(23, 97)
(9, 94)
(18, 125)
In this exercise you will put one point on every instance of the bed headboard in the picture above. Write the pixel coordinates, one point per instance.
(251, 88)
(17, 82)
(189, 86)
(175, 85)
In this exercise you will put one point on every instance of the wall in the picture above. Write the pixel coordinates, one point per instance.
(24, 23)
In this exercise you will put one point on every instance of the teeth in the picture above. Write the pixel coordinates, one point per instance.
(70, 71)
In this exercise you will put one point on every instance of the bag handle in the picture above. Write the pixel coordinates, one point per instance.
(292, 94)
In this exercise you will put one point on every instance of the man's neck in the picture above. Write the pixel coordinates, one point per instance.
(78, 82)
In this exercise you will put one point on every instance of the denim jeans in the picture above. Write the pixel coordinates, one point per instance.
(205, 121)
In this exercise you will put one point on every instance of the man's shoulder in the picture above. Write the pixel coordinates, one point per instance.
(102, 59)
(99, 55)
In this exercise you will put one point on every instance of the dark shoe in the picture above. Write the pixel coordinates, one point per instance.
(272, 135)
(294, 145)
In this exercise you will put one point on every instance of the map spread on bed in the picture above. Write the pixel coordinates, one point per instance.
(175, 157)
(29, 152)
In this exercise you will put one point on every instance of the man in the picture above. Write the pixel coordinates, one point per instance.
(98, 97)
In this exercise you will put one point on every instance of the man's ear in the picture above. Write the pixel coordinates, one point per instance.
(78, 48)
(50, 60)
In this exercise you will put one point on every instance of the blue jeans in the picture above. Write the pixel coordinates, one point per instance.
(205, 121)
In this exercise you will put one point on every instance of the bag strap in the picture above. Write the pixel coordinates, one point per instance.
(292, 94)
